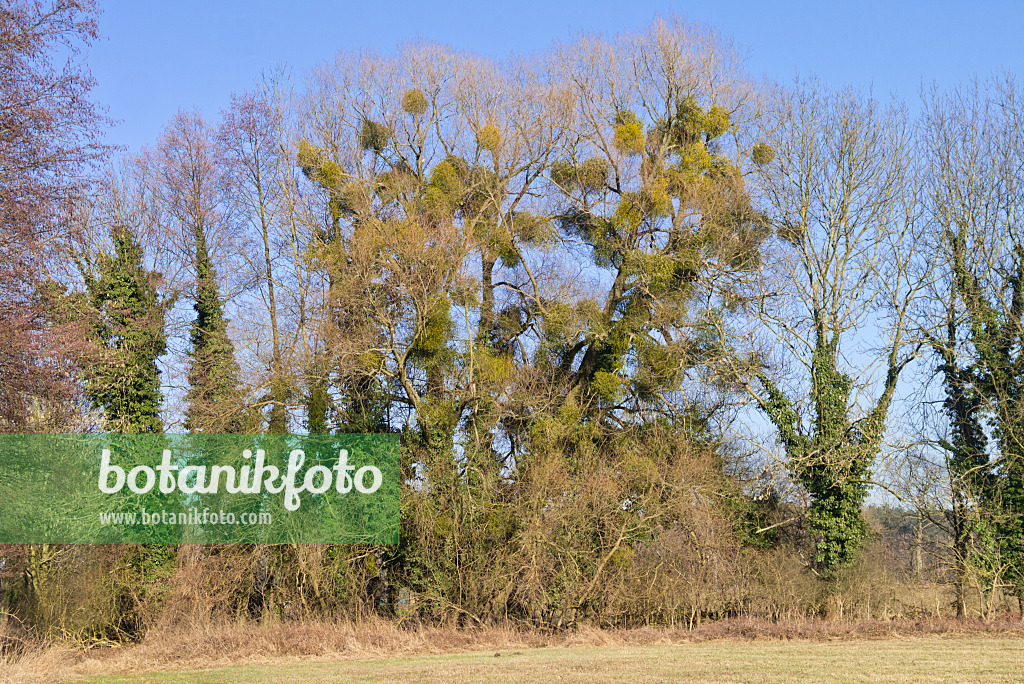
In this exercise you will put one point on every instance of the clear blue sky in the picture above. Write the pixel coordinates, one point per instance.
(157, 56)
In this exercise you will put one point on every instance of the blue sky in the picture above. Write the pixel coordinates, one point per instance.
(158, 56)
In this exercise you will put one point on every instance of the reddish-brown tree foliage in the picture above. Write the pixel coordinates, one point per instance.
(49, 138)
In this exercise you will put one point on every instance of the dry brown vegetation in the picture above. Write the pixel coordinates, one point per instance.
(220, 645)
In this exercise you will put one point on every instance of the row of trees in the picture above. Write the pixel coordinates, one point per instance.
(575, 283)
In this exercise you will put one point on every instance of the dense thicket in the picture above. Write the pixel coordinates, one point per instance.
(573, 283)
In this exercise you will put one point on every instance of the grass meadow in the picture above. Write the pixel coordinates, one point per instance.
(729, 651)
(929, 659)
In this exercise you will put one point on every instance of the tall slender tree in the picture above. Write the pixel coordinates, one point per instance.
(189, 186)
(214, 403)
(975, 141)
(252, 159)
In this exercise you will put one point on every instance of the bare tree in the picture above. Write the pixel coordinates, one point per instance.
(841, 191)
(251, 161)
(49, 137)
(189, 188)
(975, 146)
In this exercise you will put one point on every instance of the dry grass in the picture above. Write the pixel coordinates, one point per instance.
(37, 665)
(280, 647)
(921, 659)
(23, 661)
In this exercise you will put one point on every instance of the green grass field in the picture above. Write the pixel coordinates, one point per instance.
(929, 659)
